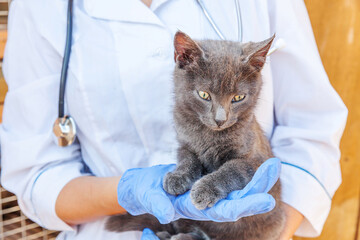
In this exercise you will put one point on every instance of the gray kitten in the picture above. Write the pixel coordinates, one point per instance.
(217, 85)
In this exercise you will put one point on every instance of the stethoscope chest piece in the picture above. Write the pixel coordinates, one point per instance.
(65, 130)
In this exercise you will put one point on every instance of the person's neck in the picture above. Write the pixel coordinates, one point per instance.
(147, 2)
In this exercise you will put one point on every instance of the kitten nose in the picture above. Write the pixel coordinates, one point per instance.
(220, 122)
(220, 116)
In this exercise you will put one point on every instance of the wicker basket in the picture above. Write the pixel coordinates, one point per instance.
(15, 225)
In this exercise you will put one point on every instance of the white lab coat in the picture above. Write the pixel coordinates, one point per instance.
(119, 91)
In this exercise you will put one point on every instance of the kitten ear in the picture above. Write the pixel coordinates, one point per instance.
(257, 56)
(187, 51)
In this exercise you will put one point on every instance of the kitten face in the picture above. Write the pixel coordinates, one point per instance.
(229, 98)
(220, 110)
(217, 81)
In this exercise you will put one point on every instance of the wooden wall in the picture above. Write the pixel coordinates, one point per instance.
(336, 25)
(3, 87)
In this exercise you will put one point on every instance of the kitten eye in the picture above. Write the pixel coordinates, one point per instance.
(204, 95)
(238, 98)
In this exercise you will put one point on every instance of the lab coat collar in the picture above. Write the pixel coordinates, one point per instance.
(122, 10)
(156, 4)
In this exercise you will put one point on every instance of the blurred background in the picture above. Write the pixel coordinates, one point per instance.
(336, 25)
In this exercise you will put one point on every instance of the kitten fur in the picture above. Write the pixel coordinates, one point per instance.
(220, 142)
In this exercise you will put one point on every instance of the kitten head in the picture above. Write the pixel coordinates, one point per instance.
(218, 82)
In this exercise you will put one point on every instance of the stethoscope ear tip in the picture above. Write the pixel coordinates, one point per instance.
(279, 44)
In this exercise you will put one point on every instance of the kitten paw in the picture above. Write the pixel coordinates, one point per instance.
(204, 195)
(163, 235)
(176, 183)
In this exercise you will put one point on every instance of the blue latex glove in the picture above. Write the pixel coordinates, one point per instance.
(251, 200)
(140, 191)
(149, 235)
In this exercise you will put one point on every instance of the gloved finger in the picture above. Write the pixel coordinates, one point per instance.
(263, 180)
(185, 209)
(149, 235)
(159, 205)
(232, 210)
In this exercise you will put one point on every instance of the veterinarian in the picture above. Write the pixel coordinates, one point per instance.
(119, 93)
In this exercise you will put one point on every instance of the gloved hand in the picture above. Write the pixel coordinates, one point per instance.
(140, 191)
(149, 235)
(251, 200)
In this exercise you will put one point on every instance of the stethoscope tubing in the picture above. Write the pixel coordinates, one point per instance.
(239, 21)
(210, 19)
(66, 59)
(216, 28)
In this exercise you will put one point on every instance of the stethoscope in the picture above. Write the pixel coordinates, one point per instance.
(64, 127)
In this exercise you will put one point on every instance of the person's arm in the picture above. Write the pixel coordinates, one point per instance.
(310, 118)
(88, 197)
(292, 223)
